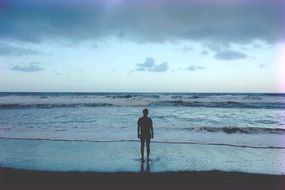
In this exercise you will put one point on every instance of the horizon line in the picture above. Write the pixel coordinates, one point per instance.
(151, 92)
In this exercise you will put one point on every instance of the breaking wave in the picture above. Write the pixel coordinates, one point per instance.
(226, 104)
(238, 130)
(211, 100)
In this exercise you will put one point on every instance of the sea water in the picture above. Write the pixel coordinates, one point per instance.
(244, 121)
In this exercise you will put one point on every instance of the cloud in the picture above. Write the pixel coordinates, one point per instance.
(204, 53)
(163, 67)
(149, 65)
(195, 68)
(223, 51)
(185, 49)
(9, 50)
(263, 65)
(32, 67)
(257, 46)
(217, 46)
(230, 55)
(235, 21)
(94, 46)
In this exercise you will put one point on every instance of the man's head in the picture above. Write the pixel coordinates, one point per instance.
(145, 112)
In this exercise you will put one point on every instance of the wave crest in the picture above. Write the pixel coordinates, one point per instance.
(236, 130)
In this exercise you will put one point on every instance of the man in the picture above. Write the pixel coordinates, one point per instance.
(145, 133)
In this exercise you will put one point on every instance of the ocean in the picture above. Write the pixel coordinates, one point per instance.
(244, 121)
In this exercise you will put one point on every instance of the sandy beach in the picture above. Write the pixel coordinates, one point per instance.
(24, 179)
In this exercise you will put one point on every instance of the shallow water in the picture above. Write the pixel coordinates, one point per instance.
(124, 157)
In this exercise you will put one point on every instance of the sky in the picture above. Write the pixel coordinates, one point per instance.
(142, 46)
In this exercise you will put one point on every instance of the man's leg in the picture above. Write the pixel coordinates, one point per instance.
(148, 147)
(142, 148)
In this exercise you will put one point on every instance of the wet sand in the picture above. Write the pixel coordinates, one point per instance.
(14, 179)
(66, 156)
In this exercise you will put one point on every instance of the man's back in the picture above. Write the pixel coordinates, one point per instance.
(146, 124)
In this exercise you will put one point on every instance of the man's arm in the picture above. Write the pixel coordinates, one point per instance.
(139, 128)
(151, 128)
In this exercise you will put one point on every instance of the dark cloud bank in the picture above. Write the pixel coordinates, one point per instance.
(234, 21)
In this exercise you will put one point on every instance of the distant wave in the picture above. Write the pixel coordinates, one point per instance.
(134, 93)
(22, 106)
(221, 104)
(176, 103)
(153, 141)
(134, 96)
(236, 130)
(209, 100)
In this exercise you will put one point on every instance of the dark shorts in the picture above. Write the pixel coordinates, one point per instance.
(145, 138)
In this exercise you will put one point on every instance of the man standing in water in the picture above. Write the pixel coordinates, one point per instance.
(145, 132)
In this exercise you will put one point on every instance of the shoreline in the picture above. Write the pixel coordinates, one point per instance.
(30, 179)
(137, 141)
